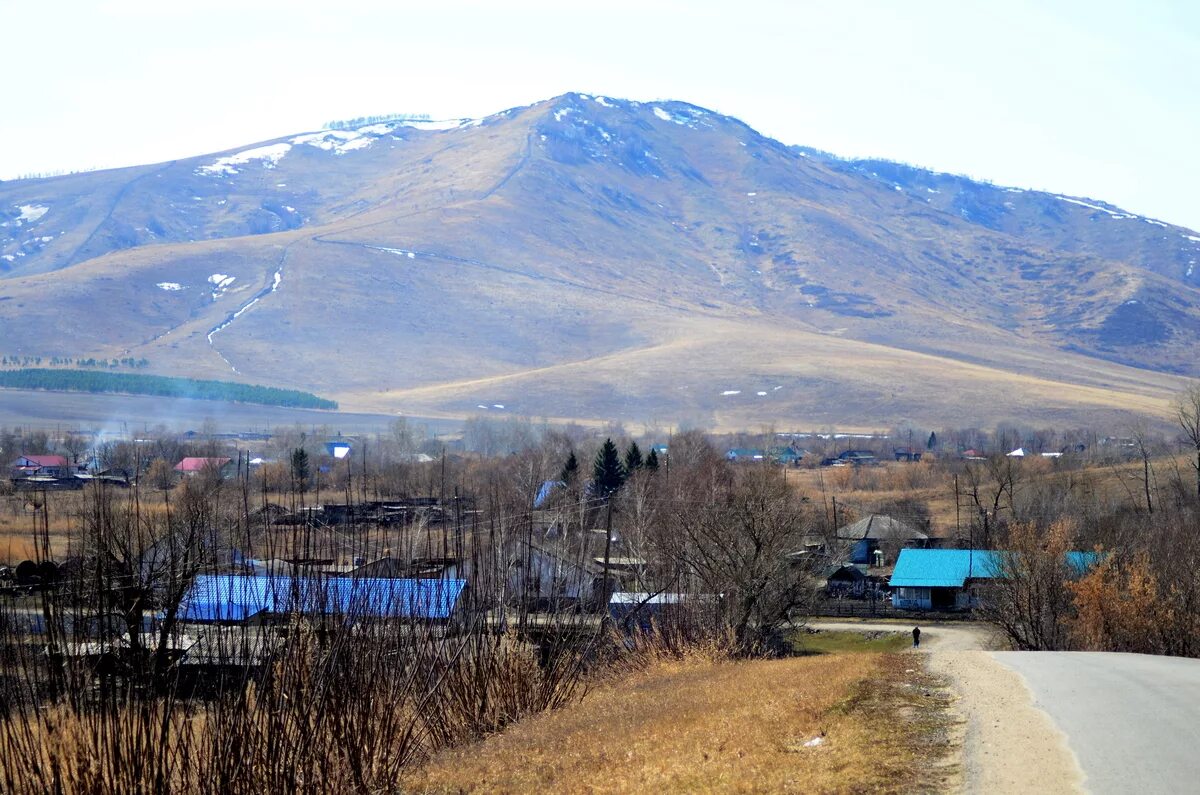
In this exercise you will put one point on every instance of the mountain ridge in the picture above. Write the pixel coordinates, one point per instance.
(533, 226)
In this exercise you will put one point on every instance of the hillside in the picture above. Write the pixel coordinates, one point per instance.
(593, 258)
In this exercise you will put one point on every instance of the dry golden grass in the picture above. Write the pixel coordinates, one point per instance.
(720, 727)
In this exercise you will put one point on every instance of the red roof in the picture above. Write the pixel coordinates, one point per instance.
(43, 460)
(200, 464)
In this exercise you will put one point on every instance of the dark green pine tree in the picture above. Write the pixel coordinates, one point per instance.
(633, 458)
(932, 443)
(300, 467)
(607, 472)
(570, 470)
(652, 460)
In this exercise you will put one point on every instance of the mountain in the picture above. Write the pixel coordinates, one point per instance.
(594, 258)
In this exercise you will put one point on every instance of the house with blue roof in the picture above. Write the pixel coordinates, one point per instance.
(944, 579)
(940, 579)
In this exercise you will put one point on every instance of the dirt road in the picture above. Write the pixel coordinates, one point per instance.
(1009, 745)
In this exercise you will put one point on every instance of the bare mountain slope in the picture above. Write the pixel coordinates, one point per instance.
(589, 257)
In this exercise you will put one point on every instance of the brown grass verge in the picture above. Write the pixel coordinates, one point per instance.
(723, 727)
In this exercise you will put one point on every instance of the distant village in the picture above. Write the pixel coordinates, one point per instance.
(850, 561)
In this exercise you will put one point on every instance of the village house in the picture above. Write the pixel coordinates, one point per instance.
(785, 456)
(50, 466)
(878, 539)
(947, 579)
(192, 466)
(939, 579)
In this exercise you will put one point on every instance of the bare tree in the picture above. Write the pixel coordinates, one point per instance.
(737, 543)
(1187, 411)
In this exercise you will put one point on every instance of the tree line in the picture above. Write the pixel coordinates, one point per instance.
(15, 360)
(160, 386)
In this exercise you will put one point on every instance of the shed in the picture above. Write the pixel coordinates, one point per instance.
(643, 609)
(221, 598)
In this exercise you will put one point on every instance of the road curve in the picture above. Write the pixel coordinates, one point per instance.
(1133, 720)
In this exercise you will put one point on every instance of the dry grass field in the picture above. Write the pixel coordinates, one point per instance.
(722, 727)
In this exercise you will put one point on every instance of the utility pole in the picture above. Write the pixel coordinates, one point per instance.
(957, 511)
(607, 551)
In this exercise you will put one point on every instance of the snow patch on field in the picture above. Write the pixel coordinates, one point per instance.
(170, 287)
(731, 392)
(270, 156)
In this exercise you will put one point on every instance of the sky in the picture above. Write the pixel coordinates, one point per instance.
(1097, 99)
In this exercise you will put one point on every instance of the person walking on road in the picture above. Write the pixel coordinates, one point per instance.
(916, 637)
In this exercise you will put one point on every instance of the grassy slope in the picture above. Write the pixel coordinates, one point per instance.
(731, 727)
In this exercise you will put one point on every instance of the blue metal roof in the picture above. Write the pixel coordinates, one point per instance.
(942, 568)
(233, 597)
(951, 568)
(545, 491)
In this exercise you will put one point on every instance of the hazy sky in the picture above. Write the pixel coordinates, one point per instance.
(1095, 98)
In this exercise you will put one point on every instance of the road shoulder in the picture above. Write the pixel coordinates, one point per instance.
(1009, 745)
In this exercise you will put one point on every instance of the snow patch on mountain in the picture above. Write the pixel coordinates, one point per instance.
(337, 141)
(270, 156)
(220, 282)
(400, 252)
(31, 213)
(170, 287)
(1097, 208)
(441, 124)
(685, 117)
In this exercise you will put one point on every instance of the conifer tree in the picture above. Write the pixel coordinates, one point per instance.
(570, 470)
(652, 460)
(607, 472)
(633, 459)
(300, 471)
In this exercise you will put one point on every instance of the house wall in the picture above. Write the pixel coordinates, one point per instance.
(922, 599)
(906, 598)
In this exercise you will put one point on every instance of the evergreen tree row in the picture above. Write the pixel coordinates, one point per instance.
(160, 386)
(609, 471)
